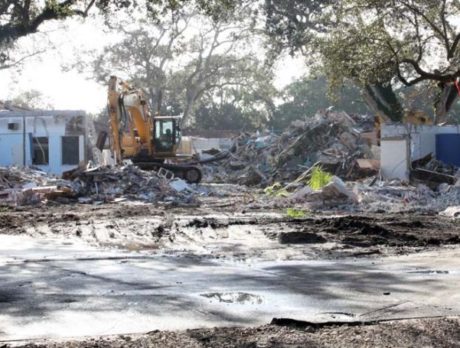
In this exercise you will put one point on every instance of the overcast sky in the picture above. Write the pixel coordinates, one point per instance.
(72, 90)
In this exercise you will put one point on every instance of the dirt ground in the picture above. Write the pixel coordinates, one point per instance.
(227, 228)
(439, 332)
(235, 233)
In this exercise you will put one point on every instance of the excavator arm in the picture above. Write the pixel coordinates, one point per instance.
(148, 140)
(130, 121)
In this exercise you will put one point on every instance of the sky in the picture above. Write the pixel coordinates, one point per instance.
(73, 90)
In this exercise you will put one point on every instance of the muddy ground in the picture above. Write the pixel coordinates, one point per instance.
(230, 229)
(233, 233)
(439, 332)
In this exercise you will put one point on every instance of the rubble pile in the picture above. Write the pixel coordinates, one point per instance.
(26, 186)
(371, 196)
(23, 186)
(432, 172)
(13, 177)
(395, 196)
(332, 139)
(129, 182)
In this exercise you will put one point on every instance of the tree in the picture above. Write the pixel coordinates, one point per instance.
(31, 99)
(247, 107)
(13, 56)
(304, 97)
(144, 55)
(210, 70)
(294, 24)
(180, 60)
(412, 40)
(19, 18)
(225, 116)
(378, 44)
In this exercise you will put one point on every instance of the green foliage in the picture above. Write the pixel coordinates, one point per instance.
(360, 53)
(276, 190)
(304, 97)
(373, 43)
(225, 117)
(293, 24)
(295, 213)
(319, 178)
(248, 106)
(31, 99)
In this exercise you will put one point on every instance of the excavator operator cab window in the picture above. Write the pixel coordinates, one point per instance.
(165, 135)
(178, 133)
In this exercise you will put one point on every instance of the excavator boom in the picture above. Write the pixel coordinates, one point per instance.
(149, 141)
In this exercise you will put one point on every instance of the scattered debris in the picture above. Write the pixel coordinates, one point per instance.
(103, 184)
(331, 139)
(180, 185)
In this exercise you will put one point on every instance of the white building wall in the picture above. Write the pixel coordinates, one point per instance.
(394, 161)
(203, 144)
(422, 142)
(13, 143)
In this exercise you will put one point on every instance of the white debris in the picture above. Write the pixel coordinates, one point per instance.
(180, 185)
(451, 211)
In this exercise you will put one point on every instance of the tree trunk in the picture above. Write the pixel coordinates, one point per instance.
(444, 102)
(186, 114)
(383, 101)
(159, 101)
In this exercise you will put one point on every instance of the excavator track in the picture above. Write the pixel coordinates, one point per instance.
(190, 173)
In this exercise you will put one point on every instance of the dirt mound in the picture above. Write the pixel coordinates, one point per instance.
(361, 231)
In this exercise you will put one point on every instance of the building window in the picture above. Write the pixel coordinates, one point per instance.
(70, 150)
(40, 151)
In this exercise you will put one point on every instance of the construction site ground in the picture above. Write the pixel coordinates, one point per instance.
(216, 275)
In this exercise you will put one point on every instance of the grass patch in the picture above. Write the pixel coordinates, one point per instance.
(319, 178)
(276, 190)
(295, 213)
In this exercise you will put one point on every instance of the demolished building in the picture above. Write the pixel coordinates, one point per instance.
(405, 147)
(335, 140)
(53, 141)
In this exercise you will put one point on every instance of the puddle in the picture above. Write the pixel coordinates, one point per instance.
(234, 297)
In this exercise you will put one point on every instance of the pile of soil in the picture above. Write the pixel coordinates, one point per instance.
(394, 230)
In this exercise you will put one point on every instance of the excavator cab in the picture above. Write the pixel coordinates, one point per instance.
(167, 134)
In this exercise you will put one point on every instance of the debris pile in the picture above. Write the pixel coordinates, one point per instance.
(130, 182)
(23, 186)
(28, 186)
(395, 196)
(369, 196)
(321, 189)
(433, 173)
(332, 139)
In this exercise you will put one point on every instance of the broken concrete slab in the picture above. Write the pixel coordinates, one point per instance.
(335, 191)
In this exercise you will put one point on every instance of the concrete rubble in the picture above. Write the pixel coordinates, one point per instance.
(371, 196)
(332, 139)
(26, 186)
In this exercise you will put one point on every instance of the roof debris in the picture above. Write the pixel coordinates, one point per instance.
(331, 139)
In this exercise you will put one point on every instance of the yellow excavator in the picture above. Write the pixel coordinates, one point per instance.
(149, 141)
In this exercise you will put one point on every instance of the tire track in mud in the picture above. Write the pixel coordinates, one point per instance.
(144, 227)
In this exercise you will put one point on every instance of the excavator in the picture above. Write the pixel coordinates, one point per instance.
(149, 141)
